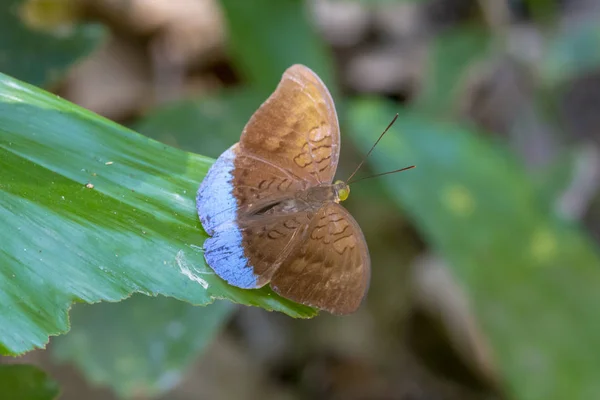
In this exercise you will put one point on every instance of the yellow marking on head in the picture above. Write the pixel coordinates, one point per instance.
(343, 191)
(459, 200)
(543, 245)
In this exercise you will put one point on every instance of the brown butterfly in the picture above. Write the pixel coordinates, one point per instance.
(271, 208)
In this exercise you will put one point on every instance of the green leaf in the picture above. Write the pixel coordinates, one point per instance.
(210, 124)
(573, 51)
(142, 346)
(41, 58)
(544, 13)
(532, 279)
(143, 327)
(136, 230)
(268, 36)
(554, 179)
(386, 2)
(26, 382)
(451, 55)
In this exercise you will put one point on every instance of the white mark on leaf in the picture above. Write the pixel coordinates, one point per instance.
(197, 248)
(190, 271)
(7, 98)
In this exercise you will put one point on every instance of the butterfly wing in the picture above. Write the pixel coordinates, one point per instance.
(289, 144)
(296, 128)
(248, 253)
(238, 184)
(243, 248)
(331, 268)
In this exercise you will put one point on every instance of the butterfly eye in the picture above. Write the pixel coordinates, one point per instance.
(342, 190)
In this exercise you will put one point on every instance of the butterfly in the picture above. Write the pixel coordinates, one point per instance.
(271, 207)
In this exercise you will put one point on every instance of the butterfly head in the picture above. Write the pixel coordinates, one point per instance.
(341, 189)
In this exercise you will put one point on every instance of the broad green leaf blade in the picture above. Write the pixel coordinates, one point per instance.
(136, 230)
(532, 279)
(26, 382)
(142, 346)
(140, 325)
(268, 36)
(36, 57)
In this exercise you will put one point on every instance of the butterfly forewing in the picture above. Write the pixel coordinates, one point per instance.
(297, 128)
(289, 144)
(330, 269)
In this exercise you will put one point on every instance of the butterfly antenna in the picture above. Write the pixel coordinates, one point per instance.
(370, 151)
(384, 173)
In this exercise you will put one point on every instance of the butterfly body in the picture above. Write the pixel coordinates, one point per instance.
(309, 200)
(271, 208)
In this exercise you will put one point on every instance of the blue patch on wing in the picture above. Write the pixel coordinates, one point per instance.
(217, 209)
(215, 202)
(225, 255)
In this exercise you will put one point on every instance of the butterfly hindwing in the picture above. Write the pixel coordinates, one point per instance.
(248, 254)
(330, 269)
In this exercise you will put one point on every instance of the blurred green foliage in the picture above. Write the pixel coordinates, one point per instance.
(26, 382)
(384, 2)
(451, 53)
(572, 52)
(266, 37)
(142, 346)
(532, 278)
(38, 57)
(187, 124)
